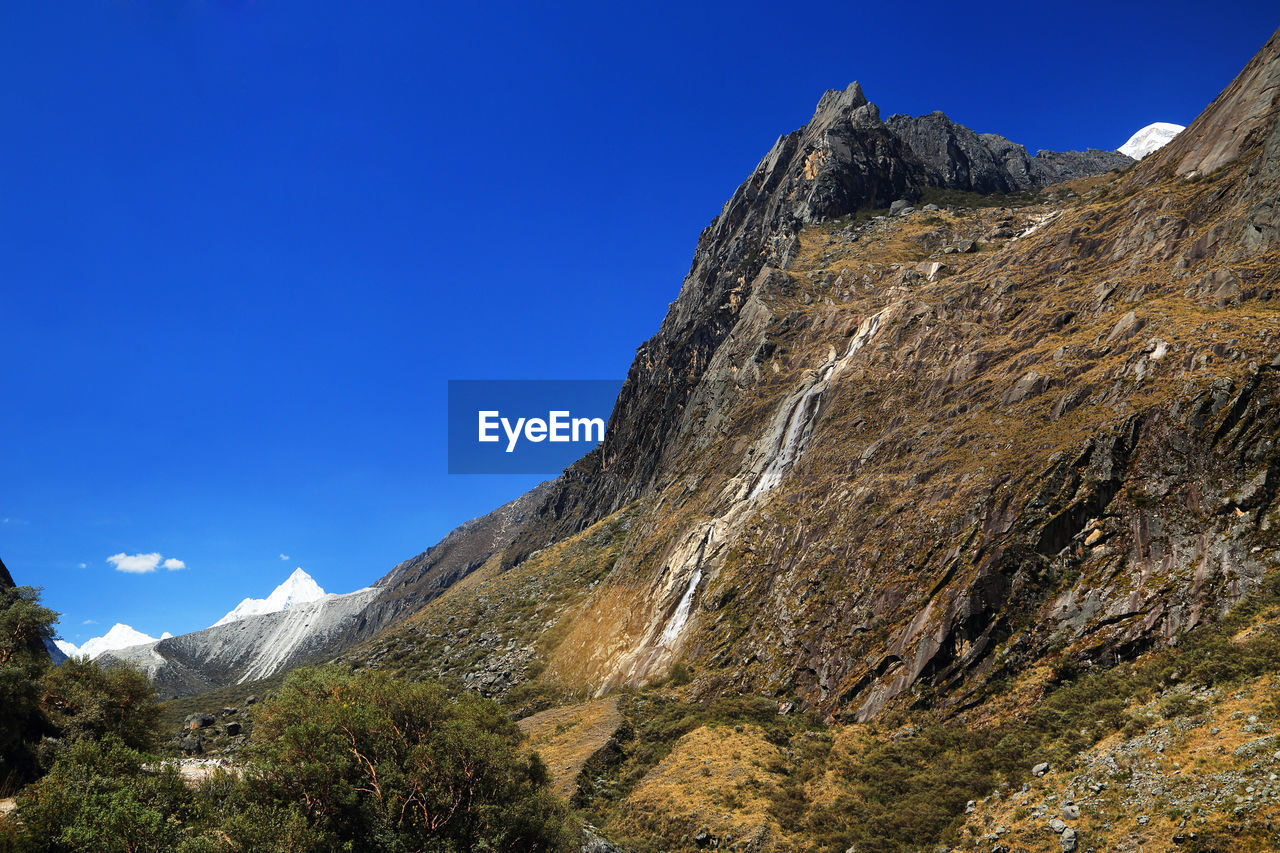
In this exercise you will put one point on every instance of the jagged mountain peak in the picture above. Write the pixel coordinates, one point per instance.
(850, 97)
(299, 587)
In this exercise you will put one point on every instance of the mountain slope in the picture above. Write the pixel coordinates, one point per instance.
(846, 159)
(892, 474)
(299, 624)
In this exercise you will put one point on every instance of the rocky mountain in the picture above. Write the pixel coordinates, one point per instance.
(941, 508)
(845, 160)
(298, 588)
(1151, 138)
(958, 158)
(246, 649)
(920, 469)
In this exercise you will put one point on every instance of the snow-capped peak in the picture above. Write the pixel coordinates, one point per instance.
(120, 636)
(1153, 137)
(297, 588)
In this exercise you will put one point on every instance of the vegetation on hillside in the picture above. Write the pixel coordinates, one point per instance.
(344, 762)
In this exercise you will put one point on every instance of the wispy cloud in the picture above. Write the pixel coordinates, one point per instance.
(141, 564)
(14, 521)
(89, 622)
(284, 557)
(84, 565)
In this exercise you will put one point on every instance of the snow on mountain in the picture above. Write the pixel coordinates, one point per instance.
(1153, 137)
(253, 647)
(298, 588)
(120, 636)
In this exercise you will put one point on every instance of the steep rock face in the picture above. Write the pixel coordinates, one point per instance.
(844, 160)
(958, 158)
(961, 159)
(1242, 117)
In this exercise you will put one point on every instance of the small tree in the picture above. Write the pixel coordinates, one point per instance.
(24, 625)
(84, 700)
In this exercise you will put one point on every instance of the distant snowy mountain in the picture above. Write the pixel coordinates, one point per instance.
(298, 588)
(1153, 137)
(120, 636)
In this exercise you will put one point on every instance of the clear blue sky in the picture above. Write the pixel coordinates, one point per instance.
(244, 245)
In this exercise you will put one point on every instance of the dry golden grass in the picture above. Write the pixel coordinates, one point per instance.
(716, 778)
(566, 737)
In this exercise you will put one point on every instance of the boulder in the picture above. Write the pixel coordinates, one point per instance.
(198, 721)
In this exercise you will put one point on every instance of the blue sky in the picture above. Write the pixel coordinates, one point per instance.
(244, 245)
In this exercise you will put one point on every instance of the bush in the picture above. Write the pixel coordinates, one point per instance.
(84, 701)
(99, 796)
(383, 764)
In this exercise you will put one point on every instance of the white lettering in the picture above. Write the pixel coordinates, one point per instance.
(513, 435)
(587, 424)
(487, 424)
(559, 426)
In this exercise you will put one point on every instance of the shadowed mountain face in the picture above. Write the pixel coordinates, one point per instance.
(957, 158)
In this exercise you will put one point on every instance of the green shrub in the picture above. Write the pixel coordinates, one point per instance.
(85, 701)
(1181, 705)
(382, 764)
(99, 796)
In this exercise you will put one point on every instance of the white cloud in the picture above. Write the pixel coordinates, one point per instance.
(89, 622)
(284, 557)
(84, 565)
(141, 564)
(134, 564)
